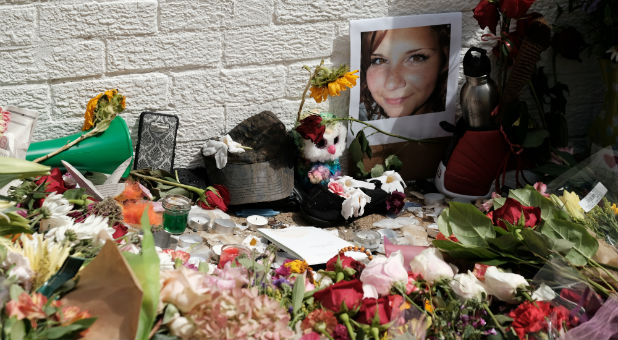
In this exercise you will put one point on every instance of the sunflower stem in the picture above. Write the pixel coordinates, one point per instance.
(180, 185)
(302, 100)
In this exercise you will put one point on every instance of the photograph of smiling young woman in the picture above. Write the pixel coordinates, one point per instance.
(404, 71)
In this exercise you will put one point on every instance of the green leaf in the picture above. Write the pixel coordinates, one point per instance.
(470, 225)
(298, 294)
(535, 138)
(584, 244)
(377, 170)
(530, 197)
(15, 291)
(364, 143)
(62, 332)
(498, 202)
(14, 329)
(536, 242)
(458, 250)
(393, 162)
(443, 224)
(507, 242)
(145, 266)
(74, 194)
(360, 169)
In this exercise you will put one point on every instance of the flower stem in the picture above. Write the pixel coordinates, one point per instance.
(429, 140)
(302, 100)
(66, 146)
(493, 318)
(180, 185)
(345, 318)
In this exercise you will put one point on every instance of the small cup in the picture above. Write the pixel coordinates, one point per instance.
(176, 213)
(198, 222)
(369, 239)
(229, 252)
(224, 226)
(189, 241)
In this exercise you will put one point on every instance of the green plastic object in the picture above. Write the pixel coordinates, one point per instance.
(101, 153)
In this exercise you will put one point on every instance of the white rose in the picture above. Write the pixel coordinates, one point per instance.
(182, 327)
(467, 286)
(431, 265)
(503, 285)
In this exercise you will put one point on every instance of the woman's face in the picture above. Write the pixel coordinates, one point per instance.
(404, 69)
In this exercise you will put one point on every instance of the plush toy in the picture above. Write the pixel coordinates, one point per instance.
(320, 145)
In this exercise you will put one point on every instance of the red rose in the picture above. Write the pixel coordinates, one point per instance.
(311, 128)
(511, 212)
(213, 200)
(346, 262)
(54, 181)
(528, 318)
(515, 8)
(119, 231)
(387, 308)
(225, 194)
(486, 13)
(348, 292)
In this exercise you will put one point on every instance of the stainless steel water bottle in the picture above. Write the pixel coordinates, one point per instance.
(479, 95)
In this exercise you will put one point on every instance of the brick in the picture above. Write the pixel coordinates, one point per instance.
(284, 109)
(253, 84)
(98, 19)
(252, 12)
(264, 45)
(297, 77)
(47, 128)
(44, 62)
(143, 92)
(192, 15)
(31, 97)
(199, 124)
(165, 51)
(18, 26)
(197, 89)
(189, 155)
(290, 11)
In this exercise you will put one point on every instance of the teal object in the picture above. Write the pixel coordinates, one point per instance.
(69, 268)
(101, 153)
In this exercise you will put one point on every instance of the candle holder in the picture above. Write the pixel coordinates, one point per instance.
(176, 213)
(369, 239)
(229, 252)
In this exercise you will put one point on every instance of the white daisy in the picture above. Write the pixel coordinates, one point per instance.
(391, 181)
(355, 204)
(57, 205)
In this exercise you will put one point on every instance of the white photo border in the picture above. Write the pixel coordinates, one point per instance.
(418, 126)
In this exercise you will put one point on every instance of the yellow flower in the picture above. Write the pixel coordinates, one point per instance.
(327, 82)
(103, 108)
(89, 116)
(297, 266)
(320, 94)
(614, 209)
(571, 205)
(428, 306)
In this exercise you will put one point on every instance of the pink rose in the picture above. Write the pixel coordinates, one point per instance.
(380, 274)
(541, 188)
(336, 188)
(184, 288)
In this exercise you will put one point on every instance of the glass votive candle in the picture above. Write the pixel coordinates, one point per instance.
(176, 213)
(230, 252)
(369, 239)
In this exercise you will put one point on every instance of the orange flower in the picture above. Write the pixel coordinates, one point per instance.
(71, 314)
(132, 213)
(27, 307)
(320, 94)
(131, 191)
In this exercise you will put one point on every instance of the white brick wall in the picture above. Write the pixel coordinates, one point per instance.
(211, 62)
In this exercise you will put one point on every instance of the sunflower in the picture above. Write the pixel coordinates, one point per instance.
(103, 106)
(328, 82)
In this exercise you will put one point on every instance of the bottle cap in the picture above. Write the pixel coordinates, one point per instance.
(476, 63)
